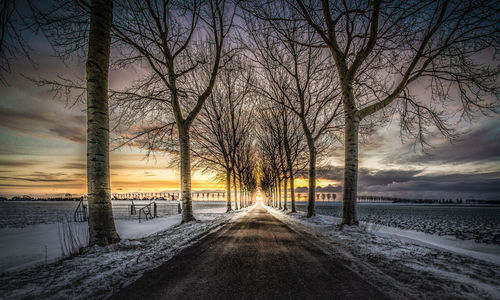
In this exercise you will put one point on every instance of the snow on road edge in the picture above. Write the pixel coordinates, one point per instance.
(100, 271)
(418, 270)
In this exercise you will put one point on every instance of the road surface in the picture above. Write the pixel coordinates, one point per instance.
(256, 257)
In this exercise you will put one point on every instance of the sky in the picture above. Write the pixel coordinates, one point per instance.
(42, 149)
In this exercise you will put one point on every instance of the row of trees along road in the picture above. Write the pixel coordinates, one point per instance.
(260, 90)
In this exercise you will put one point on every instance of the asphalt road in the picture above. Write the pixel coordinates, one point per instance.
(256, 257)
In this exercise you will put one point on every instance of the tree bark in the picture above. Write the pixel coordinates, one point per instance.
(279, 194)
(349, 216)
(311, 210)
(285, 194)
(242, 195)
(102, 229)
(276, 196)
(187, 205)
(292, 189)
(235, 191)
(228, 190)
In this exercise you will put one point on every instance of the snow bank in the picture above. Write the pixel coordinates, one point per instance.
(410, 264)
(478, 223)
(486, 252)
(41, 243)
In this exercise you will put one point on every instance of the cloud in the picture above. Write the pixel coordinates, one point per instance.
(43, 177)
(45, 124)
(480, 144)
(137, 183)
(414, 184)
(74, 165)
(368, 176)
(381, 177)
(16, 163)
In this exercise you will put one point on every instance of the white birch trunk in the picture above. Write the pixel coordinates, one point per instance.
(235, 191)
(102, 229)
(187, 204)
(311, 202)
(285, 194)
(228, 190)
(292, 189)
(349, 216)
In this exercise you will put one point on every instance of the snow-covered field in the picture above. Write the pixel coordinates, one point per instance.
(21, 247)
(24, 213)
(466, 222)
(407, 264)
(100, 271)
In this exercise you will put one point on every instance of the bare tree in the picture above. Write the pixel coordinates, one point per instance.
(266, 179)
(13, 26)
(182, 44)
(66, 25)
(290, 145)
(384, 50)
(268, 144)
(179, 46)
(294, 145)
(101, 224)
(282, 145)
(295, 75)
(224, 122)
(246, 170)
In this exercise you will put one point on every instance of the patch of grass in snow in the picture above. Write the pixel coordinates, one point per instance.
(71, 238)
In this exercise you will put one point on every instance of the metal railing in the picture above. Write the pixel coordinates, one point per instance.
(80, 214)
(146, 211)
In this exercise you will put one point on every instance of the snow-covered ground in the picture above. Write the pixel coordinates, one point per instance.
(99, 270)
(44, 243)
(479, 223)
(407, 263)
(18, 214)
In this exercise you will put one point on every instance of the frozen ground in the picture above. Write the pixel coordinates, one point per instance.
(99, 271)
(465, 222)
(44, 243)
(408, 263)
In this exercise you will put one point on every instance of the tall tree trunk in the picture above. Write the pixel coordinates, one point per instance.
(279, 193)
(102, 229)
(275, 197)
(228, 190)
(241, 195)
(292, 189)
(285, 194)
(311, 210)
(235, 191)
(276, 194)
(187, 205)
(349, 216)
